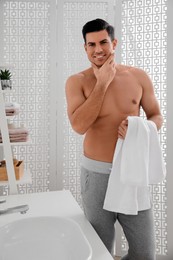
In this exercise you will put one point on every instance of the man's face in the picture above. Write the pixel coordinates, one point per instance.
(99, 47)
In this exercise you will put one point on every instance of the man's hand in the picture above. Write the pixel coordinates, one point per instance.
(122, 129)
(106, 73)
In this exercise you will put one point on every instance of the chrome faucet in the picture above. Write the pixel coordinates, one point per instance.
(22, 209)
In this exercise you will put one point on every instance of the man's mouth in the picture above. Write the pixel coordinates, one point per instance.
(99, 56)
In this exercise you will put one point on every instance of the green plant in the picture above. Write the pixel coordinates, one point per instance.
(5, 74)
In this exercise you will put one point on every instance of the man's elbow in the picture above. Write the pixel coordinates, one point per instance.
(78, 128)
(160, 122)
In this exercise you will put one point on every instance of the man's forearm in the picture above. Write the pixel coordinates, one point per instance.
(86, 114)
(158, 120)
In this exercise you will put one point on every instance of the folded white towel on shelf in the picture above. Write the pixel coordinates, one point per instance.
(16, 139)
(17, 134)
(137, 163)
(18, 131)
(12, 109)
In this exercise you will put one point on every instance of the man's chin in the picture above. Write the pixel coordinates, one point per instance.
(99, 64)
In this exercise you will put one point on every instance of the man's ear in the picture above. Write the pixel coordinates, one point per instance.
(114, 42)
(85, 47)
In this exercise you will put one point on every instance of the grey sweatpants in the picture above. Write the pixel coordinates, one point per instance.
(138, 229)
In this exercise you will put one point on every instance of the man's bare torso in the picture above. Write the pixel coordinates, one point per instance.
(122, 99)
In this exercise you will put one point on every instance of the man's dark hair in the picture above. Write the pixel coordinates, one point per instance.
(96, 26)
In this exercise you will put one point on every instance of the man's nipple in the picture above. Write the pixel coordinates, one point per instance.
(134, 101)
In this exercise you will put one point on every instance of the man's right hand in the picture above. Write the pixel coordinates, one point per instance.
(106, 73)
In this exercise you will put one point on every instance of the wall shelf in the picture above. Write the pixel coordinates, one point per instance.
(7, 147)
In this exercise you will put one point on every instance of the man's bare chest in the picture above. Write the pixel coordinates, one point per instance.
(122, 96)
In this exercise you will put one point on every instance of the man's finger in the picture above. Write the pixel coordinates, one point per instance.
(110, 59)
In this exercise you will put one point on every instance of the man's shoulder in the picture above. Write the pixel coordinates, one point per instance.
(82, 74)
(77, 76)
(140, 74)
(78, 80)
(131, 69)
(134, 72)
(80, 77)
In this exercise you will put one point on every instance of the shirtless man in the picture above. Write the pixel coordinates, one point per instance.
(99, 100)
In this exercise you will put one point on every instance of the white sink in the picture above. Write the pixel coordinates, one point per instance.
(43, 238)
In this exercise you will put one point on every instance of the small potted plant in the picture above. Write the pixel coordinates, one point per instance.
(5, 77)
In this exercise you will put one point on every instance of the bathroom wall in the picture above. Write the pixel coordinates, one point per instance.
(42, 41)
(141, 32)
(26, 43)
(144, 45)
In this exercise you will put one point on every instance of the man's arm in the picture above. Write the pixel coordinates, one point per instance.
(149, 102)
(83, 112)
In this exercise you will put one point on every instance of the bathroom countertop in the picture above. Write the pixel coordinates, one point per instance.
(55, 203)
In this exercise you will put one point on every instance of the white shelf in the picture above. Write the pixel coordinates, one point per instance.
(11, 117)
(6, 66)
(7, 147)
(8, 90)
(26, 179)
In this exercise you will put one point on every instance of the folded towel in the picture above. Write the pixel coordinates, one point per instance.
(17, 139)
(17, 134)
(137, 163)
(12, 109)
(17, 131)
(12, 113)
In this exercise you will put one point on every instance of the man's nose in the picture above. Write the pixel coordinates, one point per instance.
(98, 48)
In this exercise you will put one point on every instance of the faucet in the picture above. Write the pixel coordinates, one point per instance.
(22, 209)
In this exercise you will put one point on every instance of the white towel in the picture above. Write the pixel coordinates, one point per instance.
(137, 163)
(12, 109)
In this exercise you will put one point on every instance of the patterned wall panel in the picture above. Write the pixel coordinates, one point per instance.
(76, 14)
(144, 42)
(26, 29)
